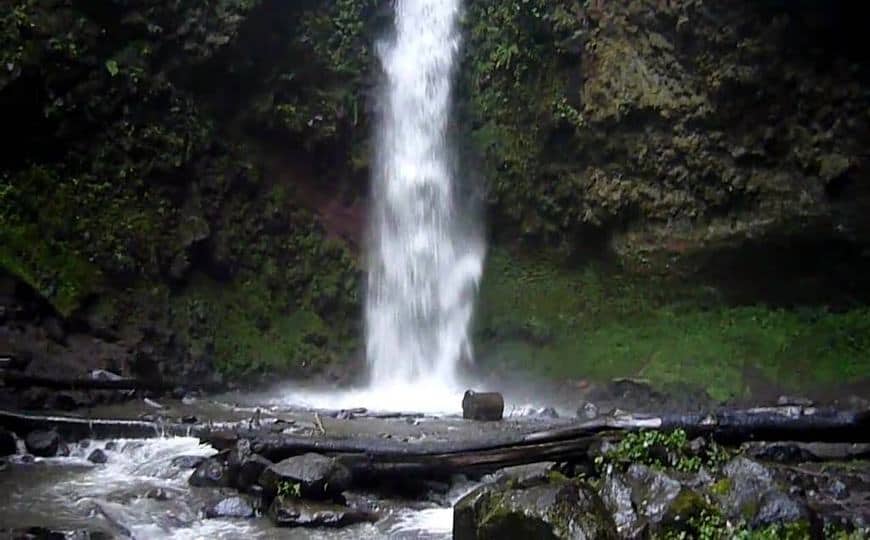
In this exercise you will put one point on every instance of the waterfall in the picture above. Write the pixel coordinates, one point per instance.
(425, 253)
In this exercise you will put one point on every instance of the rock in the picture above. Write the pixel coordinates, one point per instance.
(588, 411)
(158, 494)
(286, 512)
(784, 452)
(617, 498)
(42, 443)
(794, 401)
(84, 443)
(54, 330)
(98, 456)
(523, 476)
(105, 375)
(187, 462)
(751, 493)
(660, 499)
(486, 406)
(248, 473)
(8, 445)
(61, 402)
(41, 533)
(111, 445)
(560, 509)
(318, 477)
(212, 472)
(232, 507)
(778, 508)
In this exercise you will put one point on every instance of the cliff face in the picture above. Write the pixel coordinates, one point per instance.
(167, 176)
(655, 130)
(184, 187)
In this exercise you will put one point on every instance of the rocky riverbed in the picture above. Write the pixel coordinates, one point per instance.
(220, 484)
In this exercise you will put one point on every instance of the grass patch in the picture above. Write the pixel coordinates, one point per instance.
(591, 324)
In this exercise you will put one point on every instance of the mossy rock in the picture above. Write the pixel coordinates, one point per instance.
(558, 509)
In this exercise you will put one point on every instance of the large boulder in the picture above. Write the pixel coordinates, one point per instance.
(8, 446)
(312, 476)
(290, 512)
(750, 492)
(557, 509)
(42, 443)
(213, 472)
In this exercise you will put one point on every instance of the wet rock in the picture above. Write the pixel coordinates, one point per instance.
(556, 510)
(486, 406)
(61, 402)
(84, 443)
(158, 494)
(777, 508)
(285, 512)
(617, 498)
(796, 401)
(105, 375)
(4, 465)
(41, 533)
(318, 477)
(187, 462)
(98, 457)
(588, 411)
(750, 492)
(660, 499)
(523, 476)
(42, 443)
(54, 330)
(212, 472)
(111, 445)
(779, 452)
(8, 446)
(238, 507)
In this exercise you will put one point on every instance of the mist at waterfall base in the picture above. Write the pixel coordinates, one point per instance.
(425, 249)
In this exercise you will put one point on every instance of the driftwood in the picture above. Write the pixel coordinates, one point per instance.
(18, 380)
(72, 428)
(487, 406)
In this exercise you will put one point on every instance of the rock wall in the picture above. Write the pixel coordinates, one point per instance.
(177, 182)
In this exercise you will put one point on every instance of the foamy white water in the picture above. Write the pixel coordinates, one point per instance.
(425, 255)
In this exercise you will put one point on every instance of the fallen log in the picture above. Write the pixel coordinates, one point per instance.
(73, 428)
(18, 380)
(374, 455)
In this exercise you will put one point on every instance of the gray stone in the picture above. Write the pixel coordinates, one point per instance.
(238, 507)
(42, 443)
(318, 477)
(588, 411)
(286, 512)
(523, 476)
(617, 498)
(98, 456)
(213, 472)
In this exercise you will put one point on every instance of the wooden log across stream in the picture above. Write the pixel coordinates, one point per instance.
(375, 455)
(563, 443)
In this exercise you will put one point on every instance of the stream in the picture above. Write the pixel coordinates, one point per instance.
(139, 493)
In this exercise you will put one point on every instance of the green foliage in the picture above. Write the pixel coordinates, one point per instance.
(289, 490)
(662, 449)
(600, 324)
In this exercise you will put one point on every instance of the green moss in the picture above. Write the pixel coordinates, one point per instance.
(598, 324)
(54, 270)
(721, 487)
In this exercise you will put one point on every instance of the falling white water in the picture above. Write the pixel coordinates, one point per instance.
(425, 253)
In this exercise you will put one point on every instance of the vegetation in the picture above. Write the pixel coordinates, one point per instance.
(661, 449)
(598, 324)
